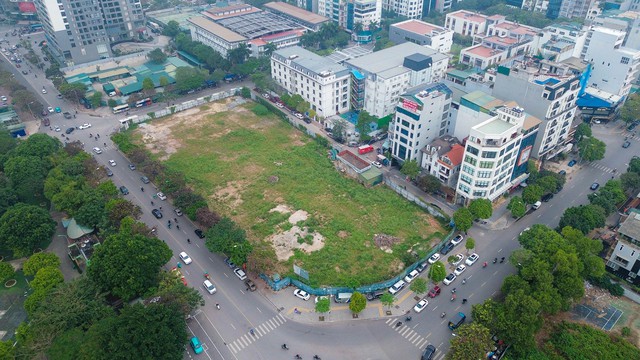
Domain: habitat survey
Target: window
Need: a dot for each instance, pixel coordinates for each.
(470, 160)
(472, 150)
(486, 164)
(468, 169)
(484, 174)
(465, 178)
(624, 60)
(489, 154)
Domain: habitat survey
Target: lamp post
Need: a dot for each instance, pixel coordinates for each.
(29, 107)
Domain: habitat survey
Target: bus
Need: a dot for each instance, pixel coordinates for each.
(143, 102)
(120, 108)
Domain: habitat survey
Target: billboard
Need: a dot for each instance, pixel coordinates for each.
(27, 7)
(409, 105)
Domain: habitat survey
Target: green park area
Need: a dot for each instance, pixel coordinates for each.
(260, 171)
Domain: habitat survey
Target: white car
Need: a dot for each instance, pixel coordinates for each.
(161, 196)
(211, 289)
(301, 294)
(421, 305)
(299, 116)
(240, 274)
(459, 258)
(97, 150)
(185, 258)
(412, 275)
(84, 126)
(376, 164)
(449, 279)
(459, 270)
(49, 109)
(397, 287)
(112, 162)
(3, 98)
(435, 257)
(44, 91)
(57, 128)
(472, 259)
(457, 240)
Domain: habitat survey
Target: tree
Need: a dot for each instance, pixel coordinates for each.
(463, 219)
(481, 208)
(239, 54)
(419, 286)
(583, 130)
(387, 300)
(584, 218)
(6, 271)
(429, 184)
(269, 48)
(157, 56)
(226, 237)
(609, 196)
(163, 81)
(46, 279)
(519, 320)
(358, 303)
(73, 91)
(473, 341)
(517, 207)
(634, 165)
(532, 193)
(591, 149)
(470, 244)
(338, 130)
(25, 100)
(630, 182)
(38, 261)
(362, 125)
(172, 29)
(96, 99)
(24, 227)
(188, 78)
(410, 168)
(324, 305)
(26, 174)
(147, 86)
(437, 272)
(631, 108)
(245, 92)
(112, 103)
(128, 265)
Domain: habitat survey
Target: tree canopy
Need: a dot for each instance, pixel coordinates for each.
(463, 218)
(23, 228)
(517, 207)
(591, 149)
(481, 208)
(188, 78)
(584, 218)
(157, 56)
(631, 108)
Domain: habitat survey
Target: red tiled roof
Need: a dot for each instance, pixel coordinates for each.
(353, 159)
(419, 27)
(455, 154)
(481, 51)
(501, 40)
(468, 15)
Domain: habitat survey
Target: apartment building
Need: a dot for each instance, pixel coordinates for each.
(466, 23)
(320, 81)
(80, 32)
(421, 117)
(442, 158)
(613, 66)
(347, 13)
(383, 76)
(624, 260)
(490, 154)
(548, 91)
(411, 9)
(560, 42)
(422, 33)
(577, 9)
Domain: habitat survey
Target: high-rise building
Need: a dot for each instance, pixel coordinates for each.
(347, 13)
(411, 9)
(575, 8)
(82, 31)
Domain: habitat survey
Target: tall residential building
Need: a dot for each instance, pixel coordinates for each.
(575, 8)
(422, 33)
(613, 66)
(548, 91)
(82, 31)
(347, 13)
(490, 155)
(421, 117)
(380, 78)
(320, 81)
(411, 9)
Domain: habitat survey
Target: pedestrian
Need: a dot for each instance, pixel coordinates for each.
(177, 226)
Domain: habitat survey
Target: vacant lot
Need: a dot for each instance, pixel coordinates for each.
(282, 188)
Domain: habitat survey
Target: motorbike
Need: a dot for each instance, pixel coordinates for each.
(443, 315)
(495, 260)
(453, 297)
(399, 323)
(502, 260)
(208, 277)
(483, 265)
(408, 318)
(285, 347)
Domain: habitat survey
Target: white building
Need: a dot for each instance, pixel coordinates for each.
(320, 81)
(613, 67)
(411, 9)
(575, 8)
(384, 75)
(442, 158)
(466, 23)
(422, 33)
(347, 13)
(490, 155)
(560, 42)
(421, 117)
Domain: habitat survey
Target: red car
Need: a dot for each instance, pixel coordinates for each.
(434, 292)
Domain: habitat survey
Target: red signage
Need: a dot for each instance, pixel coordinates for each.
(27, 7)
(409, 105)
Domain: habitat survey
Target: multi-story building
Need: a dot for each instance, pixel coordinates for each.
(560, 42)
(381, 77)
(421, 117)
(490, 155)
(575, 8)
(599, 106)
(347, 13)
(411, 9)
(442, 158)
(422, 33)
(80, 32)
(624, 260)
(320, 81)
(613, 66)
(548, 91)
(443, 6)
(466, 23)
(305, 18)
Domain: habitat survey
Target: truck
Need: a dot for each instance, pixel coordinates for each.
(457, 320)
(383, 160)
(365, 149)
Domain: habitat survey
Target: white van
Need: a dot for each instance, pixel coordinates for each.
(211, 289)
(397, 287)
(343, 297)
(537, 205)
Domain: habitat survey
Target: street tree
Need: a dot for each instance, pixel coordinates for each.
(239, 54)
(473, 341)
(410, 168)
(25, 100)
(147, 86)
(188, 78)
(6, 271)
(591, 149)
(470, 244)
(39, 145)
(419, 286)
(358, 303)
(463, 219)
(584, 218)
(519, 321)
(27, 174)
(587, 250)
(481, 208)
(437, 272)
(634, 165)
(630, 182)
(187, 298)
(157, 56)
(338, 130)
(631, 108)
(324, 305)
(172, 29)
(73, 91)
(228, 238)
(609, 196)
(38, 261)
(362, 125)
(583, 130)
(517, 207)
(96, 99)
(128, 265)
(387, 300)
(532, 193)
(23, 228)
(429, 184)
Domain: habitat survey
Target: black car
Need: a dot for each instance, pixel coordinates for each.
(594, 186)
(199, 233)
(157, 213)
(229, 263)
(124, 190)
(428, 353)
(69, 130)
(375, 295)
(144, 179)
(446, 249)
(547, 197)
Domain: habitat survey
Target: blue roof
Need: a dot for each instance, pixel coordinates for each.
(357, 74)
(551, 81)
(593, 101)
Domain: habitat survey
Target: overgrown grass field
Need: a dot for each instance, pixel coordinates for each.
(234, 157)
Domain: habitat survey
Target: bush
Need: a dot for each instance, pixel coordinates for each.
(605, 283)
(260, 110)
(6, 271)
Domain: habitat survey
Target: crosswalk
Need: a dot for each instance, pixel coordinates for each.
(408, 333)
(261, 330)
(603, 168)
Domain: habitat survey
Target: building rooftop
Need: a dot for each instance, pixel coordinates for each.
(218, 13)
(481, 100)
(517, 28)
(494, 126)
(392, 59)
(506, 41)
(420, 27)
(311, 61)
(421, 93)
(631, 226)
(530, 121)
(468, 15)
(482, 51)
(456, 154)
(216, 29)
(442, 145)
(296, 12)
(255, 25)
(597, 98)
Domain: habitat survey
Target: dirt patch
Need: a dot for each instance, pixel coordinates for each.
(298, 216)
(231, 194)
(297, 237)
(385, 242)
(283, 209)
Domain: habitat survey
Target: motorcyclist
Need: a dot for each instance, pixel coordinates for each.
(218, 306)
(443, 314)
